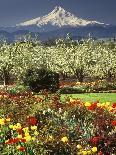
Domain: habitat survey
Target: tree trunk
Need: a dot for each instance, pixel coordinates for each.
(6, 77)
(80, 75)
(109, 76)
(64, 76)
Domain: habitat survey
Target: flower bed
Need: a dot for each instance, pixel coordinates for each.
(87, 87)
(44, 125)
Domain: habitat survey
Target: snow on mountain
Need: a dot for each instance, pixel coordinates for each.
(58, 18)
(57, 24)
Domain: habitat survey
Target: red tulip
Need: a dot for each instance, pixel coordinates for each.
(32, 121)
(113, 123)
(22, 148)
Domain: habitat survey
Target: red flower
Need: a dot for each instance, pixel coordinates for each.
(93, 106)
(22, 148)
(113, 123)
(12, 140)
(95, 139)
(32, 121)
(114, 105)
(100, 153)
(16, 140)
(23, 140)
(20, 131)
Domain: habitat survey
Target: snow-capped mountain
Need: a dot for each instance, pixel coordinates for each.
(56, 24)
(56, 19)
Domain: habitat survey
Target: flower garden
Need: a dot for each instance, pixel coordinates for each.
(33, 124)
(37, 114)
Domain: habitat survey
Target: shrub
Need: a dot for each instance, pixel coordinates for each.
(40, 79)
(17, 89)
(103, 85)
(73, 90)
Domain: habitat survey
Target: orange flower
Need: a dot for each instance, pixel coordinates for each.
(93, 106)
(20, 131)
(32, 121)
(23, 140)
(12, 140)
(113, 123)
(95, 139)
(22, 148)
(114, 105)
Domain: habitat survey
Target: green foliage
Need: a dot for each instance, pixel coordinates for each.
(74, 90)
(40, 79)
(18, 89)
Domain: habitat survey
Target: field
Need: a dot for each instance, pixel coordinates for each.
(92, 97)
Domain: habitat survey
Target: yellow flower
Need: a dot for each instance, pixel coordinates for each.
(5, 96)
(78, 83)
(79, 146)
(108, 104)
(8, 119)
(26, 129)
(94, 149)
(103, 104)
(34, 127)
(18, 125)
(15, 127)
(89, 152)
(26, 133)
(28, 138)
(11, 126)
(110, 108)
(64, 139)
(6, 141)
(84, 152)
(2, 121)
(19, 136)
(72, 100)
(18, 147)
(51, 137)
(87, 104)
(33, 138)
(36, 133)
(99, 104)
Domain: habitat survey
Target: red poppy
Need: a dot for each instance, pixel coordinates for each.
(32, 121)
(113, 123)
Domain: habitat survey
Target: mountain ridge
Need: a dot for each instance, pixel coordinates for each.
(57, 24)
(59, 17)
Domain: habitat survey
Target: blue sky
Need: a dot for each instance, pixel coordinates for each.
(15, 11)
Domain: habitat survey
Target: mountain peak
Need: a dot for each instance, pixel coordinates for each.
(57, 8)
(60, 12)
(59, 17)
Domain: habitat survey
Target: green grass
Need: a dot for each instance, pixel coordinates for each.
(91, 97)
